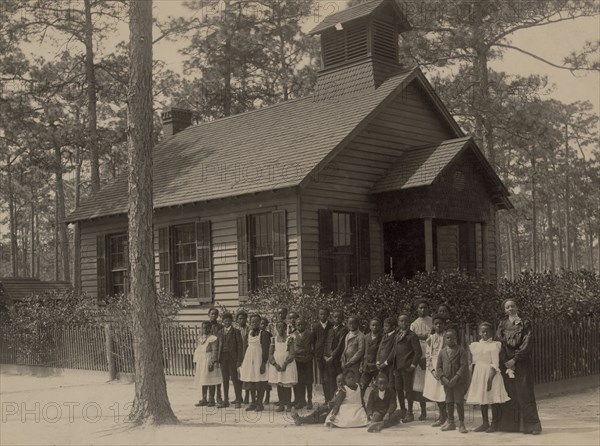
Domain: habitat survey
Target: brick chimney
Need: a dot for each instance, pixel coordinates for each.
(175, 120)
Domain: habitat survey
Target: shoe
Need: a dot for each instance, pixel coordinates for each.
(483, 428)
(375, 427)
(439, 422)
(296, 418)
(251, 407)
(238, 405)
(491, 429)
(201, 403)
(462, 429)
(280, 409)
(449, 426)
(222, 404)
(423, 416)
(211, 404)
(536, 432)
(288, 408)
(402, 414)
(408, 418)
(309, 406)
(259, 408)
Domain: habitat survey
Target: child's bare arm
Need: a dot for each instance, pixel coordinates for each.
(339, 399)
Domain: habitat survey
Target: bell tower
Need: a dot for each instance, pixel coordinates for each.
(359, 48)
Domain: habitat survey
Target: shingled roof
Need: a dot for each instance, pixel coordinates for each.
(272, 148)
(355, 13)
(421, 166)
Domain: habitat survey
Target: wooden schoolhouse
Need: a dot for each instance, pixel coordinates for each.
(369, 175)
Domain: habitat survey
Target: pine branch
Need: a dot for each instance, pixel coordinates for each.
(541, 59)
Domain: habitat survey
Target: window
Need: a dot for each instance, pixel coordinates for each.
(112, 265)
(345, 269)
(118, 258)
(185, 260)
(261, 250)
(261, 245)
(344, 249)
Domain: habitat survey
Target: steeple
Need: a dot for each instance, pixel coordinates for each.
(359, 47)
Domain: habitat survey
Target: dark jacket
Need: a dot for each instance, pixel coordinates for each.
(231, 344)
(304, 346)
(265, 343)
(385, 347)
(334, 344)
(406, 350)
(453, 363)
(319, 338)
(371, 349)
(385, 405)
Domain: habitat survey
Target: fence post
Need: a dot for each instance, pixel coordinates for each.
(110, 354)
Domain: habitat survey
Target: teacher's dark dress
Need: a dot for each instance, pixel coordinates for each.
(520, 413)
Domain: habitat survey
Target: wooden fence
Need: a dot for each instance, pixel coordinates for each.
(560, 350)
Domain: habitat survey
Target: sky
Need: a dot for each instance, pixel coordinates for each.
(551, 42)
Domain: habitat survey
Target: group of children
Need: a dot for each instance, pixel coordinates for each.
(400, 361)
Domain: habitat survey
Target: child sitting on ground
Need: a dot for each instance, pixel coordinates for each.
(319, 415)
(453, 372)
(351, 412)
(381, 406)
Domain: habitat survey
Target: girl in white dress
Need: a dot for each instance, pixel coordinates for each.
(487, 386)
(206, 357)
(422, 328)
(282, 368)
(433, 388)
(253, 372)
(351, 411)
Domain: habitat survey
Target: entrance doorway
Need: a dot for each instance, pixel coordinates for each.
(404, 248)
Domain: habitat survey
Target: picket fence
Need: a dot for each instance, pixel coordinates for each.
(561, 350)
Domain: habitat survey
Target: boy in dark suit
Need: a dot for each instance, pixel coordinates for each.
(368, 367)
(381, 406)
(385, 347)
(405, 356)
(453, 372)
(231, 348)
(334, 347)
(320, 332)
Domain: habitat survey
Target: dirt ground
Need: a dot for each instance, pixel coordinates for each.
(67, 411)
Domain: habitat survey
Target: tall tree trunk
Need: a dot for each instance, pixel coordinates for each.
(511, 252)
(590, 234)
(77, 227)
(569, 256)
(37, 245)
(227, 79)
(575, 253)
(60, 215)
(12, 217)
(534, 223)
(561, 252)
(56, 241)
(549, 216)
(90, 74)
(282, 59)
(151, 402)
(518, 245)
(33, 253)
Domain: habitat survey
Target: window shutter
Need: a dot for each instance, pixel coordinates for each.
(164, 259)
(326, 257)
(279, 247)
(101, 266)
(242, 257)
(363, 249)
(204, 261)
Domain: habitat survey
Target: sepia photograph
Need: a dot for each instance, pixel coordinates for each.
(300, 222)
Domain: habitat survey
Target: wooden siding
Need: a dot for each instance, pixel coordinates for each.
(222, 215)
(345, 183)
